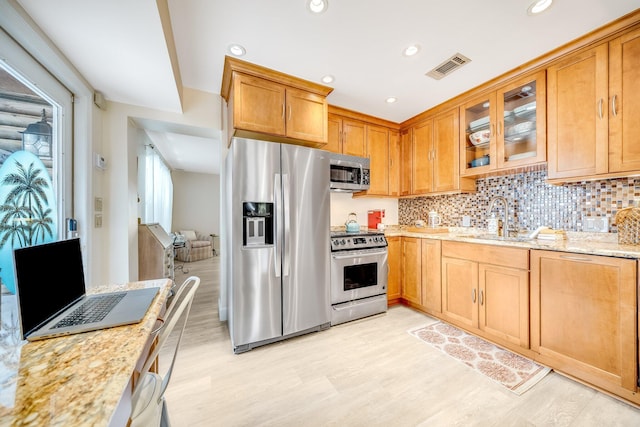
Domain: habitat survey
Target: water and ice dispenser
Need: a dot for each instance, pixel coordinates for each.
(258, 224)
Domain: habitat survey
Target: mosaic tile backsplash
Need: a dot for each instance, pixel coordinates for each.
(532, 202)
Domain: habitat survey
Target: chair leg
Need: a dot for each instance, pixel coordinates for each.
(164, 418)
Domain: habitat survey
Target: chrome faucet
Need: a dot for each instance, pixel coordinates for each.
(506, 214)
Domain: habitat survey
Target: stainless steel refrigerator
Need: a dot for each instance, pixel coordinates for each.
(277, 214)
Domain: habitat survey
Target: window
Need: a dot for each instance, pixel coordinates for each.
(35, 155)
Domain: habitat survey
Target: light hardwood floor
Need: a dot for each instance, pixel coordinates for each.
(370, 372)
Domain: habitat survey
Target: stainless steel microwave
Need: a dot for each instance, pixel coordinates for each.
(348, 173)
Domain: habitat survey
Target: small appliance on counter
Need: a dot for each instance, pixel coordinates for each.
(352, 225)
(375, 218)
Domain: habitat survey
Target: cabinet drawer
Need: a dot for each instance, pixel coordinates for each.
(487, 254)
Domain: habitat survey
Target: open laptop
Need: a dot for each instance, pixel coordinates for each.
(51, 290)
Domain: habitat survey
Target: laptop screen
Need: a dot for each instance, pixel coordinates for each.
(49, 277)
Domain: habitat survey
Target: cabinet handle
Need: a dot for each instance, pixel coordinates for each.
(493, 131)
(473, 295)
(613, 105)
(289, 112)
(499, 128)
(481, 297)
(434, 155)
(600, 108)
(575, 258)
(283, 111)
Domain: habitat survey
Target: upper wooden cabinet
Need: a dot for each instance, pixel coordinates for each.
(378, 154)
(506, 128)
(346, 136)
(360, 135)
(395, 153)
(430, 157)
(273, 105)
(593, 111)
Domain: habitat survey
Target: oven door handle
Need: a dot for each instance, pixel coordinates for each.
(359, 255)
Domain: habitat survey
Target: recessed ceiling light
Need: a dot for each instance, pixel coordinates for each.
(391, 99)
(317, 6)
(327, 79)
(411, 50)
(539, 6)
(237, 50)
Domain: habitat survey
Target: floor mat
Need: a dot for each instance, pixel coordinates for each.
(515, 372)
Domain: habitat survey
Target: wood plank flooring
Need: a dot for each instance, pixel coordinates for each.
(370, 372)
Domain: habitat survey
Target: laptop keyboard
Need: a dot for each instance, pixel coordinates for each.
(92, 310)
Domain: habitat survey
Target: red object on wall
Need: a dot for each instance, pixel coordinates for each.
(375, 218)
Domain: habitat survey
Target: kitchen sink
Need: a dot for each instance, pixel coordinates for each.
(498, 238)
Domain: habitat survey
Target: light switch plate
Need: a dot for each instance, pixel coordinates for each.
(597, 224)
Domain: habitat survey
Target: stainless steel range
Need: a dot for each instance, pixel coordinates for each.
(359, 270)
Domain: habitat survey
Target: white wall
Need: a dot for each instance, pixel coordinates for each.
(343, 203)
(120, 185)
(196, 202)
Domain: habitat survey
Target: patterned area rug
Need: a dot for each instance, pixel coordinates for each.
(515, 372)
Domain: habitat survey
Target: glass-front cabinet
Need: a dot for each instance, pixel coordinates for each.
(506, 128)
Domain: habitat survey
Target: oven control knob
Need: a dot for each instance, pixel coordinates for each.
(343, 242)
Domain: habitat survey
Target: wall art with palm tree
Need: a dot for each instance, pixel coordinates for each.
(28, 214)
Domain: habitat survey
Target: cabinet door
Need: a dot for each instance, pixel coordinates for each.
(334, 136)
(624, 103)
(460, 291)
(446, 145)
(577, 119)
(394, 285)
(353, 138)
(522, 118)
(259, 105)
(431, 276)
(422, 176)
(394, 163)
(406, 162)
(378, 153)
(504, 303)
(583, 317)
(478, 134)
(411, 271)
(306, 116)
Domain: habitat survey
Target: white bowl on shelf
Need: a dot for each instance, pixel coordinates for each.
(480, 137)
(521, 128)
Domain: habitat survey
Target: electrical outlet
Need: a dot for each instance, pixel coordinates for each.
(598, 224)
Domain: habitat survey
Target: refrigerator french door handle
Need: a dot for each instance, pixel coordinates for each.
(277, 198)
(287, 225)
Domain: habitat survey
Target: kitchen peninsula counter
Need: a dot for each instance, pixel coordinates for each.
(605, 244)
(77, 380)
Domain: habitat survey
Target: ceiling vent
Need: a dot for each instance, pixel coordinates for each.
(448, 66)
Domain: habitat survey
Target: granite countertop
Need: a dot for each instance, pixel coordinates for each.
(577, 242)
(77, 380)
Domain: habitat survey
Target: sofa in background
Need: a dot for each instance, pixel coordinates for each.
(197, 246)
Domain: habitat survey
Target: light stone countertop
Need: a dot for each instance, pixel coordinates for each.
(77, 380)
(605, 244)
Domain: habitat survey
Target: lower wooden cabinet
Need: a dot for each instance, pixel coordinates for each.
(486, 289)
(584, 318)
(421, 273)
(394, 280)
